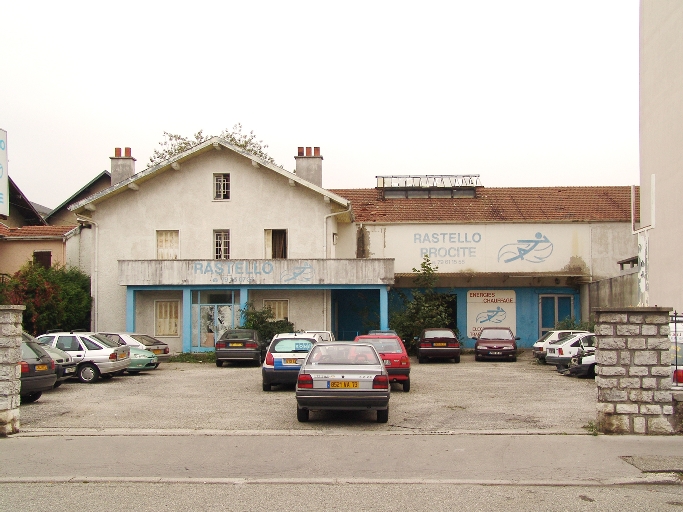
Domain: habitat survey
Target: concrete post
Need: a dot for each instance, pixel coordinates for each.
(633, 371)
(10, 371)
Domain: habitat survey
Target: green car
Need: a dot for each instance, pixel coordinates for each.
(141, 360)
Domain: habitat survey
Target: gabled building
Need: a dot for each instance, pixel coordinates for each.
(181, 248)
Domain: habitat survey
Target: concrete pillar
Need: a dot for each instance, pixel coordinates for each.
(633, 371)
(10, 371)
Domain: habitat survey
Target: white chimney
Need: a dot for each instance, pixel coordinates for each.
(122, 167)
(310, 165)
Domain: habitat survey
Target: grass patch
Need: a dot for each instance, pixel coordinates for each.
(194, 357)
(592, 428)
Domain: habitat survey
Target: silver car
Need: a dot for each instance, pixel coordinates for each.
(343, 376)
(94, 354)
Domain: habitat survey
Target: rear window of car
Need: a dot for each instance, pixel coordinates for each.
(147, 340)
(100, 339)
(439, 333)
(291, 345)
(343, 355)
(46, 340)
(27, 352)
(383, 345)
(238, 335)
(496, 334)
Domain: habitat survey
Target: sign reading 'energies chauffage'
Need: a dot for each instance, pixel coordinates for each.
(490, 308)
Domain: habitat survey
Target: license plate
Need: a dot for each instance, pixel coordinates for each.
(290, 361)
(156, 351)
(41, 367)
(438, 344)
(387, 362)
(342, 384)
(122, 355)
(235, 344)
(70, 370)
(496, 353)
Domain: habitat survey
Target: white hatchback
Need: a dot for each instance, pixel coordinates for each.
(97, 356)
(541, 345)
(560, 352)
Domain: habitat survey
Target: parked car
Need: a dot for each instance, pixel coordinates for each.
(143, 341)
(496, 343)
(37, 372)
(239, 345)
(439, 343)
(324, 335)
(141, 360)
(542, 343)
(393, 354)
(343, 376)
(284, 357)
(583, 363)
(560, 352)
(65, 367)
(95, 355)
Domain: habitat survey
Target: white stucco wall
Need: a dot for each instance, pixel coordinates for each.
(183, 200)
(661, 146)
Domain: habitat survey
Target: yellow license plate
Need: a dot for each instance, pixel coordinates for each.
(235, 344)
(343, 384)
(290, 361)
(122, 355)
(156, 351)
(41, 367)
(438, 344)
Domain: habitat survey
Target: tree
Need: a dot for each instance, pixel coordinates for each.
(426, 308)
(55, 298)
(174, 144)
(262, 321)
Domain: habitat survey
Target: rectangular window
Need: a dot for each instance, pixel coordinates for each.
(42, 258)
(276, 243)
(221, 244)
(280, 307)
(221, 187)
(168, 245)
(166, 317)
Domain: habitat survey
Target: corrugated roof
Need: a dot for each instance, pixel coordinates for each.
(530, 204)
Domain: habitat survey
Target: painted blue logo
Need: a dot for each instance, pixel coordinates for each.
(302, 274)
(494, 316)
(533, 251)
(2, 145)
(2, 171)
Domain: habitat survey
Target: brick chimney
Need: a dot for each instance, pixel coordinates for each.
(309, 166)
(122, 167)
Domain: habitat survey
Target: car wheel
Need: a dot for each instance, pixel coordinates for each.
(382, 415)
(514, 359)
(266, 386)
(88, 373)
(219, 363)
(302, 415)
(31, 397)
(406, 386)
(57, 384)
(457, 359)
(591, 372)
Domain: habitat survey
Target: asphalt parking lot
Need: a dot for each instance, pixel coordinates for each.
(444, 397)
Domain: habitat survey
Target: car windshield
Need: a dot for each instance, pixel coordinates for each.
(343, 355)
(291, 345)
(439, 333)
(383, 345)
(496, 334)
(146, 340)
(103, 340)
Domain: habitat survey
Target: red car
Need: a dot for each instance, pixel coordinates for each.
(394, 355)
(495, 343)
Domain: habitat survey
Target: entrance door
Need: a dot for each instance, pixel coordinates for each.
(214, 320)
(553, 309)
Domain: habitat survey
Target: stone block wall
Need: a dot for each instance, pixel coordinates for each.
(633, 371)
(10, 371)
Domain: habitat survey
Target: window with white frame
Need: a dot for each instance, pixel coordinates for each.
(166, 317)
(168, 245)
(280, 307)
(221, 187)
(221, 244)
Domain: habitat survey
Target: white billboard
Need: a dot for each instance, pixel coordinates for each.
(4, 178)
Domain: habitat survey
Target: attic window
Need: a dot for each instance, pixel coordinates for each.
(446, 186)
(221, 188)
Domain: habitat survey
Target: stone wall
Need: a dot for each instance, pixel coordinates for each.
(10, 371)
(633, 371)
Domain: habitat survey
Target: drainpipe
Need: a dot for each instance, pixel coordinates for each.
(93, 277)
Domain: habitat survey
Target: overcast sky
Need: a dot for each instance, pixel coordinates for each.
(523, 93)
